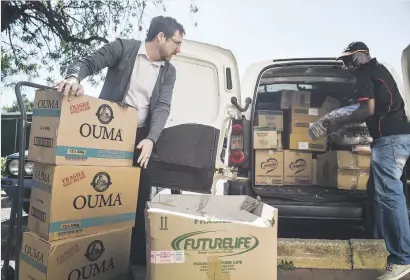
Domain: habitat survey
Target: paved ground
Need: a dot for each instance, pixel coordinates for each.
(307, 274)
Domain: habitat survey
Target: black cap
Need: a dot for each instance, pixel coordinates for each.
(354, 47)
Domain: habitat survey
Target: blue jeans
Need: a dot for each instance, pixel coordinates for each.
(391, 221)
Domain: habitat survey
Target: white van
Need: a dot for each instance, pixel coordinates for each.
(210, 105)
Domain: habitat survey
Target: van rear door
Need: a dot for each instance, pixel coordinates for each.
(187, 155)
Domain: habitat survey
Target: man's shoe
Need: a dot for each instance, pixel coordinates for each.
(394, 271)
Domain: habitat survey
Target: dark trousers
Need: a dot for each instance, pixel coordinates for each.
(138, 239)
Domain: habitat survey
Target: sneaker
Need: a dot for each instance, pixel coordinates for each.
(394, 271)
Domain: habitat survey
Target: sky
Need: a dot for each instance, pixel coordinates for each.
(260, 30)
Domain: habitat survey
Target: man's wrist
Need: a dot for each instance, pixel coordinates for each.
(153, 143)
(73, 78)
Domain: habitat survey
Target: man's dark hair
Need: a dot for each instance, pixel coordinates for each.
(167, 25)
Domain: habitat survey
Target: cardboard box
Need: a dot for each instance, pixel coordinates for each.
(330, 104)
(265, 138)
(348, 160)
(83, 131)
(211, 237)
(269, 167)
(343, 170)
(304, 143)
(300, 127)
(71, 201)
(314, 172)
(280, 142)
(306, 115)
(297, 168)
(271, 118)
(292, 99)
(102, 256)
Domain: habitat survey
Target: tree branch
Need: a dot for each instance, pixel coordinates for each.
(10, 14)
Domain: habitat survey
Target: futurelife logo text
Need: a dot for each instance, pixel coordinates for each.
(202, 242)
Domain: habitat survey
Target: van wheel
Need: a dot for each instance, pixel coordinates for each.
(9, 273)
(238, 188)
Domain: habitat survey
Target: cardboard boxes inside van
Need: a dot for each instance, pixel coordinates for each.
(282, 147)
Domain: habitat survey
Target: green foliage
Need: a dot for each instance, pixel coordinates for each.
(15, 106)
(3, 167)
(38, 35)
(286, 265)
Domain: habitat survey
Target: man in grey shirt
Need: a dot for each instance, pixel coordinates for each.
(139, 74)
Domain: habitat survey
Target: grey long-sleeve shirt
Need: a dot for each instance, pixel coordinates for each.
(119, 56)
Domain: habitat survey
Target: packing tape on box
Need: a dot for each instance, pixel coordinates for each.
(215, 269)
(354, 164)
(355, 176)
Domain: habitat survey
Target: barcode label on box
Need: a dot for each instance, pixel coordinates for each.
(313, 111)
(303, 145)
(44, 142)
(167, 257)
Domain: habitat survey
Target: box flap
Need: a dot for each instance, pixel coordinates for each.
(238, 209)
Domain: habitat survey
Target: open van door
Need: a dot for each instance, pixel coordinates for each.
(187, 156)
(405, 65)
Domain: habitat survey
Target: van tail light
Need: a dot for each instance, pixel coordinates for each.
(236, 152)
(237, 129)
(236, 157)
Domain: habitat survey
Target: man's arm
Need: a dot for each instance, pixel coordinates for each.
(163, 106)
(364, 91)
(360, 115)
(107, 56)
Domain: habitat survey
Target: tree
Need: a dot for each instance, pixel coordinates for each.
(15, 106)
(38, 35)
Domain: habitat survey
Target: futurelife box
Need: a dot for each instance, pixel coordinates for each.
(83, 131)
(102, 256)
(71, 201)
(211, 237)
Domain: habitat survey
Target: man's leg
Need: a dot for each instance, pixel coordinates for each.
(138, 239)
(389, 156)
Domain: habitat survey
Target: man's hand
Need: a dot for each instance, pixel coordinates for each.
(145, 146)
(69, 87)
(332, 126)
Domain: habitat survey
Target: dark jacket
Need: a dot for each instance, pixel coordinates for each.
(119, 56)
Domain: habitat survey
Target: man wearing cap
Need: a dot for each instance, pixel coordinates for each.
(382, 108)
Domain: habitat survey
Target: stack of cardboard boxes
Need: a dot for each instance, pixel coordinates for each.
(285, 155)
(82, 207)
(290, 162)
